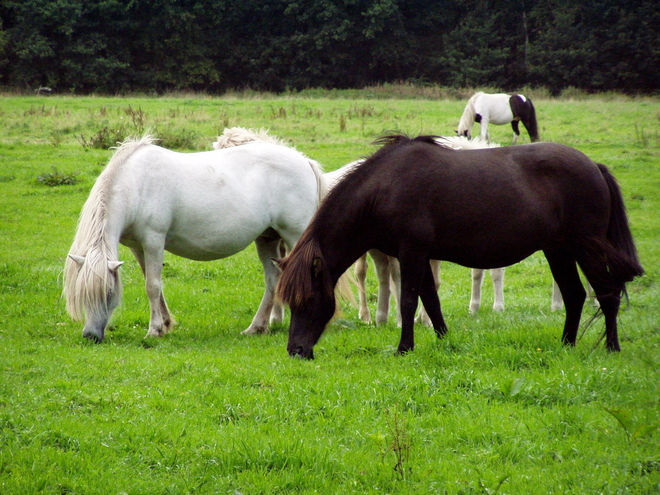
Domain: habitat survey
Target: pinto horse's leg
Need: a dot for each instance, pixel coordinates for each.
(516, 129)
(361, 266)
(267, 248)
(151, 262)
(564, 270)
(383, 271)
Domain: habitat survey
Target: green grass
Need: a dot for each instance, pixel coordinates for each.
(498, 406)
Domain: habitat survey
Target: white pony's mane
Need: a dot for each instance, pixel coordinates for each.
(87, 284)
(464, 143)
(467, 119)
(238, 136)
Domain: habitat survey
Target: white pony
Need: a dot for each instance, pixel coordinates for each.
(499, 109)
(201, 206)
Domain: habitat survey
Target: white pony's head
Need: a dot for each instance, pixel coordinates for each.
(93, 290)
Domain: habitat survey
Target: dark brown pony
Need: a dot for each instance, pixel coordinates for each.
(416, 200)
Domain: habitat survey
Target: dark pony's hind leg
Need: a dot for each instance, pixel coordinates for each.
(608, 293)
(431, 301)
(564, 270)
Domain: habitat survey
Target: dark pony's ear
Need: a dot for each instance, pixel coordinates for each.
(317, 266)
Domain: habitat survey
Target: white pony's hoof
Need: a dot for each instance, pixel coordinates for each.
(154, 333)
(474, 308)
(498, 307)
(254, 330)
(556, 307)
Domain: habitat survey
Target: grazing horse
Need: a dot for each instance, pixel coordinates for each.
(416, 200)
(201, 206)
(499, 109)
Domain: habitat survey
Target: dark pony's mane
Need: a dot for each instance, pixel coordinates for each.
(305, 263)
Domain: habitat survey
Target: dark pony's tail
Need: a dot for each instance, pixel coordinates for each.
(624, 264)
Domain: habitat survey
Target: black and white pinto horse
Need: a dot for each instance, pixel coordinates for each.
(451, 206)
(499, 109)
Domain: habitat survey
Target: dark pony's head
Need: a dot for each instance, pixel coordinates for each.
(306, 285)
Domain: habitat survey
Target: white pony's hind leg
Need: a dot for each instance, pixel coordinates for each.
(558, 300)
(475, 297)
(267, 248)
(361, 266)
(497, 276)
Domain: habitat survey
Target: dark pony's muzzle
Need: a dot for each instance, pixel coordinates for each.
(301, 353)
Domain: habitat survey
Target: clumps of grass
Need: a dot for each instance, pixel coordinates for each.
(57, 178)
(105, 138)
(181, 139)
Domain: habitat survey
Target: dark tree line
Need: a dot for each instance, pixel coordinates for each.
(114, 46)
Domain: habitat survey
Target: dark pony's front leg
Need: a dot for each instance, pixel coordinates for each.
(417, 281)
(564, 270)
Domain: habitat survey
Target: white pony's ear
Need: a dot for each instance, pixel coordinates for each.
(277, 263)
(114, 265)
(78, 259)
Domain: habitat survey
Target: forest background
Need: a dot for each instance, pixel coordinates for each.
(214, 46)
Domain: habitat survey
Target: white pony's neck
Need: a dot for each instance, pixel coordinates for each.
(86, 285)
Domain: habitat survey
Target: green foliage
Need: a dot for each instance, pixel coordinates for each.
(109, 47)
(57, 178)
(498, 406)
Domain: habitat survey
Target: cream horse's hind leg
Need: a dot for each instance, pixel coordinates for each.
(151, 263)
(497, 275)
(267, 249)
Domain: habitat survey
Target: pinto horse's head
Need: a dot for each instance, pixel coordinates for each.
(307, 287)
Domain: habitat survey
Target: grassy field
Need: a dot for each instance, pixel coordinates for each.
(498, 406)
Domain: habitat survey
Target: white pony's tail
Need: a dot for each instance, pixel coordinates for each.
(85, 284)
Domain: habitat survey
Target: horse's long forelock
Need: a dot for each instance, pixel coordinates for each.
(295, 285)
(86, 286)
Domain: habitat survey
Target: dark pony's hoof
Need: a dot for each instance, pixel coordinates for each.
(402, 351)
(613, 347)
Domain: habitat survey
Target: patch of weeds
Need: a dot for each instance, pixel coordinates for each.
(57, 178)
(105, 138)
(177, 139)
(7, 178)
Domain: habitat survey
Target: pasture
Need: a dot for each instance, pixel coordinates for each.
(497, 406)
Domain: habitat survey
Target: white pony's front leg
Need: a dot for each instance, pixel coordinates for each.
(151, 262)
(267, 248)
(361, 267)
(484, 129)
(497, 276)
